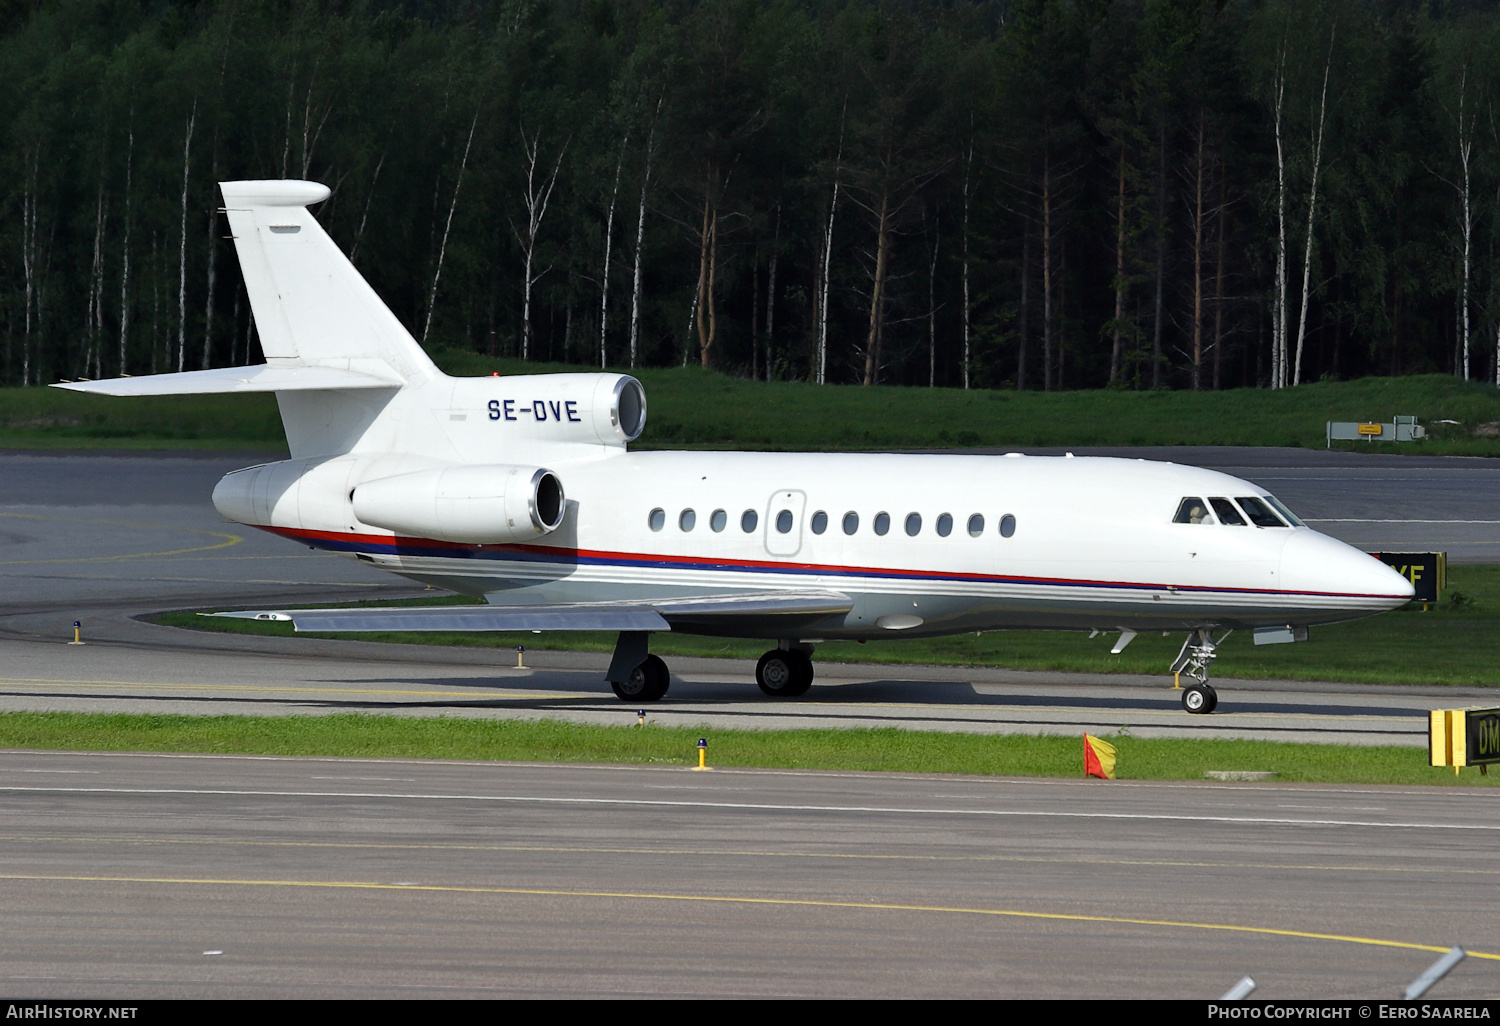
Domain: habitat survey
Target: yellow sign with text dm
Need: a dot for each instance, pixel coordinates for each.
(1463, 737)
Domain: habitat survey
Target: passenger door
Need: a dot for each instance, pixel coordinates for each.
(784, 522)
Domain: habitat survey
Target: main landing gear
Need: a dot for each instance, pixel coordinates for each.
(635, 674)
(1198, 651)
(646, 683)
(784, 672)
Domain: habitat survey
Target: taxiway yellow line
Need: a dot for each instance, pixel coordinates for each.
(362, 885)
(227, 540)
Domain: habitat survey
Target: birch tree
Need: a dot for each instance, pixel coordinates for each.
(95, 335)
(187, 149)
(609, 237)
(827, 256)
(125, 244)
(968, 195)
(1278, 302)
(895, 152)
(437, 271)
(932, 262)
(1464, 121)
(1312, 208)
(1200, 142)
(213, 252)
(640, 237)
(538, 194)
(771, 291)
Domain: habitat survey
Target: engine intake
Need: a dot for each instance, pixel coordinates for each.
(479, 505)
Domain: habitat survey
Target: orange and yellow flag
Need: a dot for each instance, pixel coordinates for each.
(1098, 758)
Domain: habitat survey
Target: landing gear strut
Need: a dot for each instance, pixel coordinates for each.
(1198, 651)
(634, 674)
(784, 672)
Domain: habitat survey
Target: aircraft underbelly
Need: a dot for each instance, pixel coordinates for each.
(892, 605)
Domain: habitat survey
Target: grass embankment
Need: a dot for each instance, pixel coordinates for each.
(693, 409)
(1457, 642)
(886, 749)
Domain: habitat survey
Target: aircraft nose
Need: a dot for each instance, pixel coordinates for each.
(1316, 563)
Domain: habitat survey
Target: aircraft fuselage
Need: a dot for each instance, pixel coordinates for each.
(923, 544)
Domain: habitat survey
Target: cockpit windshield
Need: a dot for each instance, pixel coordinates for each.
(1227, 513)
(1262, 511)
(1259, 513)
(1280, 507)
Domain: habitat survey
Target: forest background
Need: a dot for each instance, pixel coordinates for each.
(1039, 194)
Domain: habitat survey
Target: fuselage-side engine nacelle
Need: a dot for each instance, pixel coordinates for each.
(479, 505)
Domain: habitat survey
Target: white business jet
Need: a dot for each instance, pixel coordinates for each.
(522, 490)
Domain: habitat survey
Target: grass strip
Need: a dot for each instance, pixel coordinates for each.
(695, 409)
(887, 749)
(1455, 643)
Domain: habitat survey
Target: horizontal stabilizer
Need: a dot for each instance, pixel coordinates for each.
(259, 378)
(583, 616)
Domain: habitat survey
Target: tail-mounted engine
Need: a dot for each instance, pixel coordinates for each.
(479, 505)
(510, 413)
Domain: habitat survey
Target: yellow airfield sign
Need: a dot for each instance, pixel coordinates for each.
(1463, 737)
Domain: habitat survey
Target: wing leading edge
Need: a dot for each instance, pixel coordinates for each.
(699, 611)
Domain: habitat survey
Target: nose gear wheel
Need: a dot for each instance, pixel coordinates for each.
(1200, 699)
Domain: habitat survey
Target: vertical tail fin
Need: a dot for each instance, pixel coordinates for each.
(312, 308)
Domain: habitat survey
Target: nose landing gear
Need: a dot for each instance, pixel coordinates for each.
(1198, 651)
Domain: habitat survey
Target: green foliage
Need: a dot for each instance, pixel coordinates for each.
(1093, 190)
(51, 418)
(693, 409)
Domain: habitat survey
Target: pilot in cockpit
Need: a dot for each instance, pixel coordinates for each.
(1193, 511)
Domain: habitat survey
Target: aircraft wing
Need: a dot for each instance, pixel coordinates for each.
(781, 607)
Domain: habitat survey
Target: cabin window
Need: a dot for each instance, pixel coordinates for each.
(657, 520)
(882, 523)
(913, 524)
(976, 525)
(718, 520)
(1280, 507)
(748, 520)
(851, 522)
(1227, 513)
(819, 522)
(1259, 513)
(1192, 511)
(784, 521)
(1007, 526)
(944, 526)
(688, 520)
